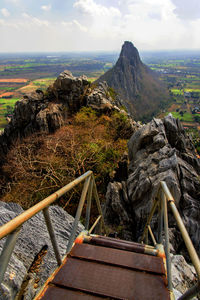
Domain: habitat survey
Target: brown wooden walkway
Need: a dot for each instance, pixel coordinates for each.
(108, 268)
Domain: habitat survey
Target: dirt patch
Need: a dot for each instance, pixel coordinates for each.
(173, 107)
(28, 88)
(7, 94)
(14, 80)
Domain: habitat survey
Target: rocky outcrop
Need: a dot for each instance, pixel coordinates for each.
(48, 111)
(137, 85)
(44, 111)
(160, 150)
(32, 239)
(99, 98)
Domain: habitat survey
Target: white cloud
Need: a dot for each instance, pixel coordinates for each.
(90, 7)
(2, 22)
(5, 12)
(92, 25)
(13, 1)
(74, 25)
(81, 27)
(187, 9)
(46, 7)
(35, 21)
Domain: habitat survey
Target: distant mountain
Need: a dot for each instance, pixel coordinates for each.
(142, 92)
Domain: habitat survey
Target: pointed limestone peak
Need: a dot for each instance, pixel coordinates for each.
(130, 52)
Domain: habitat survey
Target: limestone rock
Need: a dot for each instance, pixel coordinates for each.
(44, 112)
(69, 90)
(33, 237)
(142, 93)
(183, 274)
(158, 151)
(99, 99)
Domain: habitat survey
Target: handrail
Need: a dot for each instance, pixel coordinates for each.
(29, 213)
(163, 198)
(12, 228)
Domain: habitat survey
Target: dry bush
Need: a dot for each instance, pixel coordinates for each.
(44, 163)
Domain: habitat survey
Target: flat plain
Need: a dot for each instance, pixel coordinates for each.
(180, 70)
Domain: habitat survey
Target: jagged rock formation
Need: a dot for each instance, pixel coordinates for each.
(44, 111)
(99, 99)
(33, 237)
(48, 111)
(160, 150)
(138, 86)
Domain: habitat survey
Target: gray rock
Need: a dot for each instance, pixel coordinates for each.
(44, 112)
(138, 87)
(158, 151)
(99, 99)
(183, 274)
(33, 237)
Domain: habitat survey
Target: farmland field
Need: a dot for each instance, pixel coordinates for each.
(23, 73)
(181, 72)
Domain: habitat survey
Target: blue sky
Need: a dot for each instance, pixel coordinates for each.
(92, 25)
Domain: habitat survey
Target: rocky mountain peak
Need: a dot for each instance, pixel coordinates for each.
(130, 53)
(138, 86)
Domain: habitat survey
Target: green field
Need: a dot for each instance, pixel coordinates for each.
(186, 117)
(44, 82)
(176, 92)
(6, 105)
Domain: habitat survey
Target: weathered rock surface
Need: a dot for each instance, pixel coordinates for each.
(137, 85)
(99, 99)
(183, 274)
(33, 237)
(160, 150)
(45, 111)
(48, 111)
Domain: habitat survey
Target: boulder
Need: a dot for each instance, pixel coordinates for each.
(159, 150)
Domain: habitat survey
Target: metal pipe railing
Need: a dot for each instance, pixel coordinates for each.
(78, 213)
(164, 197)
(52, 235)
(167, 246)
(7, 251)
(29, 213)
(12, 228)
(191, 250)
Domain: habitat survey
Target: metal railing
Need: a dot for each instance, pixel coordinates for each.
(12, 228)
(163, 198)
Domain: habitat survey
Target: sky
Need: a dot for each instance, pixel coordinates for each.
(98, 25)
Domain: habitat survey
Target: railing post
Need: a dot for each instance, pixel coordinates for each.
(145, 233)
(89, 197)
(52, 235)
(7, 251)
(160, 222)
(191, 250)
(167, 250)
(152, 235)
(98, 205)
(78, 213)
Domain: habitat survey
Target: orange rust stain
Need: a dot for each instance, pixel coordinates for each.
(79, 239)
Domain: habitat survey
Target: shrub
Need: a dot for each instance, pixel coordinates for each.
(43, 163)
